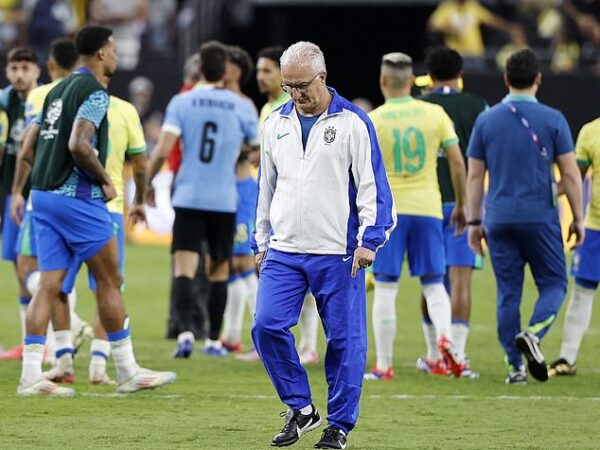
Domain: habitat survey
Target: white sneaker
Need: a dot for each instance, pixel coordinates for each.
(44, 387)
(57, 375)
(100, 378)
(249, 356)
(146, 379)
(82, 333)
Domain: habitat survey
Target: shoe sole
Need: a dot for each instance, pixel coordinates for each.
(145, 388)
(556, 372)
(537, 368)
(308, 430)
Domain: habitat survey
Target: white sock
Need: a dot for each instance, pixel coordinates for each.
(31, 370)
(307, 410)
(100, 350)
(32, 282)
(64, 349)
(384, 322)
(50, 343)
(233, 317)
(75, 319)
(431, 341)
(122, 351)
(460, 332)
(251, 281)
(23, 304)
(309, 322)
(185, 336)
(439, 309)
(577, 321)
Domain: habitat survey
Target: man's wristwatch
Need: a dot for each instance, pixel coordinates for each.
(474, 222)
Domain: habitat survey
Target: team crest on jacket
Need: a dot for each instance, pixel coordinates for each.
(329, 135)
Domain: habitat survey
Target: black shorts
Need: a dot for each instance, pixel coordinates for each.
(193, 227)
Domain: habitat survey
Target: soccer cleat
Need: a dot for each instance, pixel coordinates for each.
(529, 345)
(184, 349)
(517, 376)
(58, 375)
(249, 356)
(214, 348)
(12, 354)
(44, 387)
(100, 378)
(296, 424)
(232, 347)
(308, 357)
(84, 332)
(447, 350)
(433, 367)
(332, 437)
(467, 371)
(379, 375)
(146, 379)
(561, 367)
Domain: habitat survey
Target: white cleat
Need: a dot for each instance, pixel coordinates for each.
(44, 387)
(57, 375)
(146, 379)
(101, 378)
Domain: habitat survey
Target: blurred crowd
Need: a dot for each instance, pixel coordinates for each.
(565, 33)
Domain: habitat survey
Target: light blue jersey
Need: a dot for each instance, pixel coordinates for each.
(213, 124)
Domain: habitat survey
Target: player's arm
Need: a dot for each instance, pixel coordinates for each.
(458, 174)
(139, 163)
(23, 168)
(166, 141)
(570, 176)
(80, 146)
(475, 182)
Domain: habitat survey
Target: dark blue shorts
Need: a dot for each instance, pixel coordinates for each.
(586, 259)
(458, 252)
(67, 228)
(10, 232)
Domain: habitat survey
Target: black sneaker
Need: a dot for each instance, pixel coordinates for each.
(529, 345)
(332, 437)
(296, 424)
(517, 376)
(561, 367)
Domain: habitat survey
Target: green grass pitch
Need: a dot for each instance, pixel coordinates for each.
(225, 404)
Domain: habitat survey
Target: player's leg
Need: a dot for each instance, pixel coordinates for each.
(219, 233)
(387, 269)
(342, 303)
(508, 264)
(309, 327)
(544, 251)
(585, 268)
(62, 370)
(188, 231)
(281, 292)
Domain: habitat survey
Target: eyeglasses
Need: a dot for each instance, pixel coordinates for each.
(300, 87)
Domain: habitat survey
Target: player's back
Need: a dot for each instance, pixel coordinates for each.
(214, 123)
(411, 132)
(588, 152)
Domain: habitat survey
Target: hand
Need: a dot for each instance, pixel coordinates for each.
(254, 157)
(575, 229)
(137, 214)
(258, 260)
(458, 218)
(109, 192)
(363, 258)
(476, 236)
(17, 208)
(151, 196)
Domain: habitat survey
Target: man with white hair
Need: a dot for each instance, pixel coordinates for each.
(412, 132)
(324, 208)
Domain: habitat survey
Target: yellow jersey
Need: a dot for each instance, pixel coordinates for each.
(3, 128)
(125, 137)
(466, 19)
(411, 132)
(35, 99)
(269, 107)
(587, 151)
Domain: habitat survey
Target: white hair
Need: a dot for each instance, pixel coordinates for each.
(304, 53)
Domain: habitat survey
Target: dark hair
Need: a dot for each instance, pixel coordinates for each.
(272, 53)
(213, 56)
(443, 63)
(241, 58)
(521, 69)
(22, 54)
(63, 51)
(92, 38)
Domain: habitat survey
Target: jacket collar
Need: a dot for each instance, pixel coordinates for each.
(336, 106)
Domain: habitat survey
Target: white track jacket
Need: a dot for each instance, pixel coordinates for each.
(329, 198)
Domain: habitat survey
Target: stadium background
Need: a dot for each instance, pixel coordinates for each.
(228, 405)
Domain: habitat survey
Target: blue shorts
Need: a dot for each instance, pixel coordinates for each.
(586, 259)
(423, 238)
(26, 242)
(68, 228)
(241, 240)
(10, 232)
(458, 252)
(71, 277)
